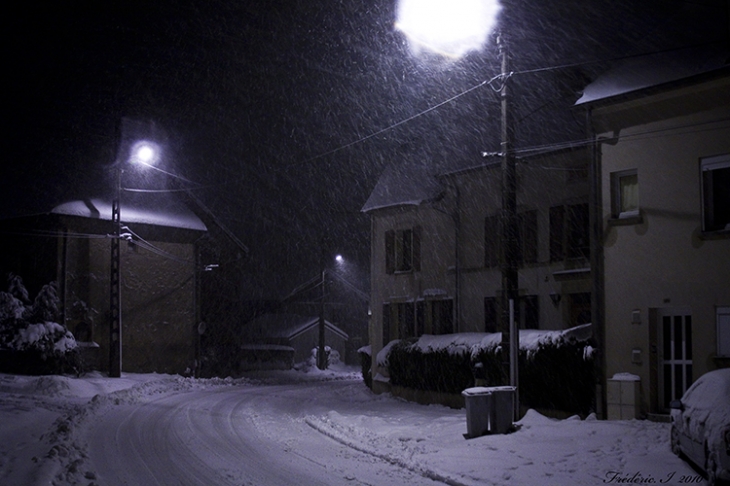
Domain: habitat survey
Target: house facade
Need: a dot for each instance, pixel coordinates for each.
(662, 149)
(70, 244)
(435, 248)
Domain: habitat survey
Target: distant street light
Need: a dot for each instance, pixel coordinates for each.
(321, 347)
(453, 28)
(142, 152)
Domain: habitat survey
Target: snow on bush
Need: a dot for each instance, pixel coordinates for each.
(33, 328)
(10, 307)
(555, 366)
(44, 337)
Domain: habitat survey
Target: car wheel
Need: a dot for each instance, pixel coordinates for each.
(711, 466)
(674, 440)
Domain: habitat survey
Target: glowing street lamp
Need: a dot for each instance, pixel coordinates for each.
(450, 28)
(143, 152)
(453, 28)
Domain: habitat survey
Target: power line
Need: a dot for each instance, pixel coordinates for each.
(489, 82)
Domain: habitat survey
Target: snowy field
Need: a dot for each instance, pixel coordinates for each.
(298, 427)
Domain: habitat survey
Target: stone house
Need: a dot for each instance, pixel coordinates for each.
(661, 126)
(435, 247)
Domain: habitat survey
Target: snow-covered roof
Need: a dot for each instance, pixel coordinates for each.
(413, 181)
(160, 209)
(405, 183)
(287, 326)
(654, 70)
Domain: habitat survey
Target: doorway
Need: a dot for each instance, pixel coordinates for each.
(675, 359)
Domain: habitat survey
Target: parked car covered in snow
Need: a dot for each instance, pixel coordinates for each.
(701, 424)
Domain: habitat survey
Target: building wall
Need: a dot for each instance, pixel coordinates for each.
(472, 196)
(436, 256)
(158, 301)
(661, 262)
(557, 179)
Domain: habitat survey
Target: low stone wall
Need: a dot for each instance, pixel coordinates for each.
(448, 399)
(419, 396)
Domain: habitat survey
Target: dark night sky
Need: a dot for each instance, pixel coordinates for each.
(259, 97)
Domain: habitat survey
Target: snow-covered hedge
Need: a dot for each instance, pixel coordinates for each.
(366, 364)
(556, 367)
(31, 341)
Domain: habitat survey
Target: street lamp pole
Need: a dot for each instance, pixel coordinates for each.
(321, 354)
(144, 152)
(115, 288)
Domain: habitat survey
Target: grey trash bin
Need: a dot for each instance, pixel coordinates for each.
(488, 410)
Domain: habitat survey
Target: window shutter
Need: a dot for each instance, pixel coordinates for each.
(416, 255)
(386, 324)
(390, 251)
(557, 225)
(491, 241)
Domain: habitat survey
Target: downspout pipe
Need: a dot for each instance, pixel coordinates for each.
(598, 305)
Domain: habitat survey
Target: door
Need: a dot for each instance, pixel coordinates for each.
(675, 361)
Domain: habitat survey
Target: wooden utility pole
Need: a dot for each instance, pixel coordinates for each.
(508, 227)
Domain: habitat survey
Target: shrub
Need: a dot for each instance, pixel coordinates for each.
(556, 373)
(555, 376)
(30, 339)
(439, 370)
(366, 365)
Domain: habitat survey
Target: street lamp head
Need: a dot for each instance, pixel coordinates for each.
(447, 27)
(339, 259)
(145, 152)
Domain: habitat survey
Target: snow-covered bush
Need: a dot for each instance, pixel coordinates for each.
(556, 368)
(366, 364)
(31, 340)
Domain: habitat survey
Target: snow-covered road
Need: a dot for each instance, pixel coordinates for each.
(239, 436)
(281, 428)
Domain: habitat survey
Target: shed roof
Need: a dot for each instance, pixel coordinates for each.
(158, 209)
(287, 326)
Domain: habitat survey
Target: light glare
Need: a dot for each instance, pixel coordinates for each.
(145, 153)
(448, 27)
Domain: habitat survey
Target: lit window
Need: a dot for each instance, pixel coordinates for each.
(625, 194)
(716, 193)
